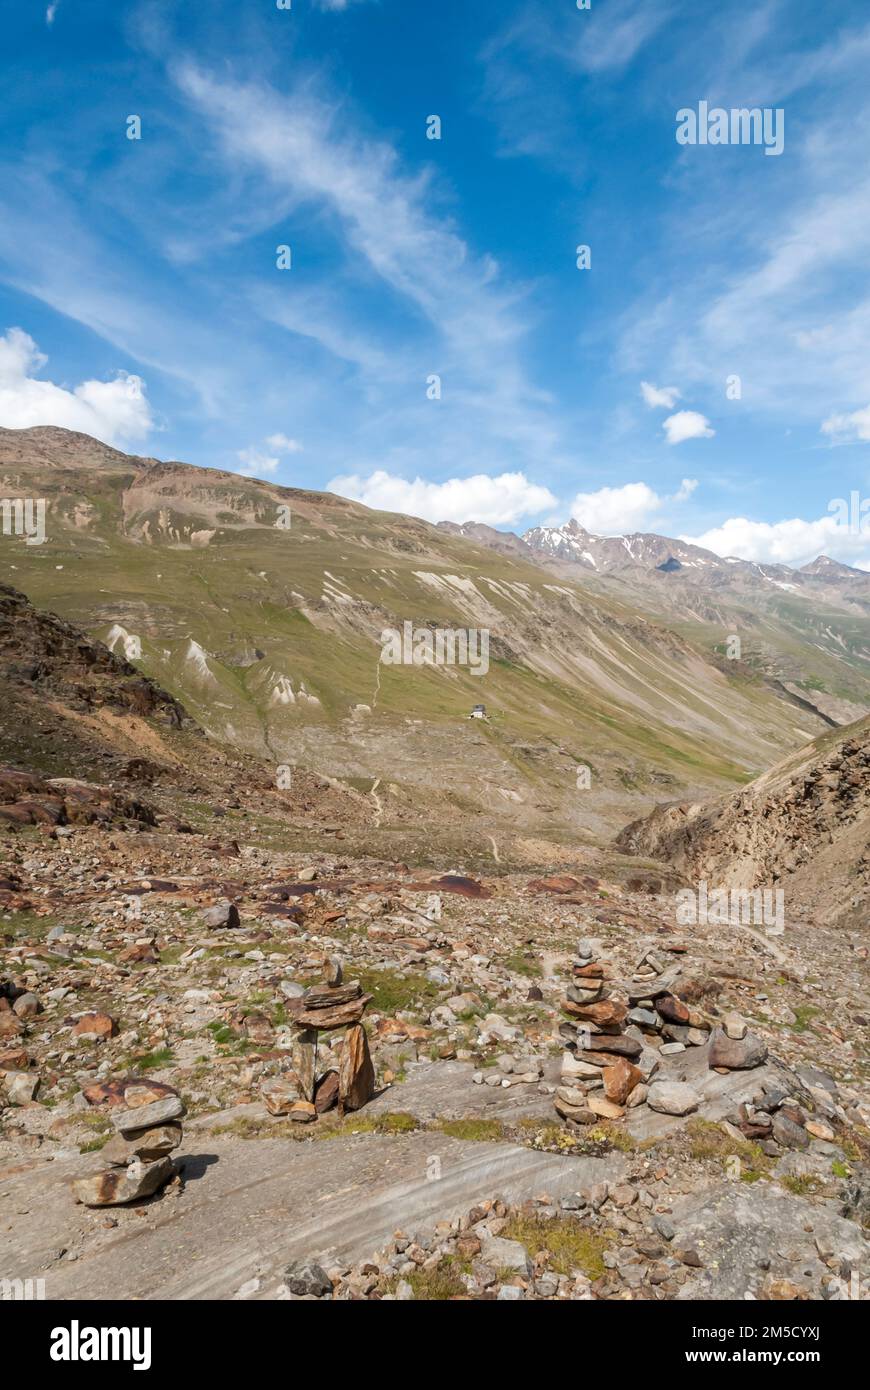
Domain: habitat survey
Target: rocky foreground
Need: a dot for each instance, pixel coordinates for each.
(555, 1091)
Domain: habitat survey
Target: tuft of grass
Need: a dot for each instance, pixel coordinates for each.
(840, 1170)
(707, 1140)
(393, 993)
(475, 1128)
(523, 963)
(438, 1284)
(94, 1145)
(571, 1246)
(597, 1140)
(806, 1185)
(152, 1061)
(803, 1016)
(391, 1122)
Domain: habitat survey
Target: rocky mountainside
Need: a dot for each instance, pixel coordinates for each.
(803, 826)
(552, 1091)
(262, 610)
(804, 631)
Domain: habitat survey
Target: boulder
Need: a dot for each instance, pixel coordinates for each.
(117, 1186)
(672, 1098)
(356, 1074)
(95, 1027)
(148, 1116)
(279, 1094)
(736, 1054)
(221, 915)
(306, 1278)
(620, 1080)
(146, 1144)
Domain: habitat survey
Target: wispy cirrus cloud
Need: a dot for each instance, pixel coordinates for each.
(659, 397)
(451, 312)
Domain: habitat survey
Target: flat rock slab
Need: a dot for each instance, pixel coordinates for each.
(717, 1095)
(736, 1227)
(251, 1206)
(445, 1090)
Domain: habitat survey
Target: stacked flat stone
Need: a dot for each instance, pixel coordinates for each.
(601, 1070)
(348, 1081)
(659, 1012)
(147, 1121)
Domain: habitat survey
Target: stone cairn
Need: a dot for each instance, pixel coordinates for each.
(600, 1074)
(606, 1070)
(147, 1120)
(322, 1075)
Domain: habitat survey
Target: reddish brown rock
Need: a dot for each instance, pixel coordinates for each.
(609, 1013)
(17, 1060)
(117, 1186)
(302, 1112)
(141, 1090)
(326, 1093)
(95, 1027)
(328, 1018)
(141, 953)
(557, 883)
(280, 1094)
(672, 1009)
(620, 1080)
(11, 1026)
(356, 1076)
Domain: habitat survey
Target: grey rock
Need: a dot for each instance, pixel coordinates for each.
(644, 1018)
(736, 1054)
(221, 915)
(148, 1116)
(307, 1277)
(788, 1133)
(672, 1098)
(504, 1254)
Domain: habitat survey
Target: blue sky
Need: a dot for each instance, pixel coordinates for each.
(140, 297)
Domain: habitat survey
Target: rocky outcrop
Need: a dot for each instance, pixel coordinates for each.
(803, 826)
(43, 652)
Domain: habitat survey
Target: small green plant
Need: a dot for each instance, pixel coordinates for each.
(571, 1245)
(473, 1128)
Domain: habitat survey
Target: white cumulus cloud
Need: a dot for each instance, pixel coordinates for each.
(614, 511)
(498, 501)
(114, 411)
(849, 427)
(256, 464)
(793, 542)
(687, 424)
(659, 397)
